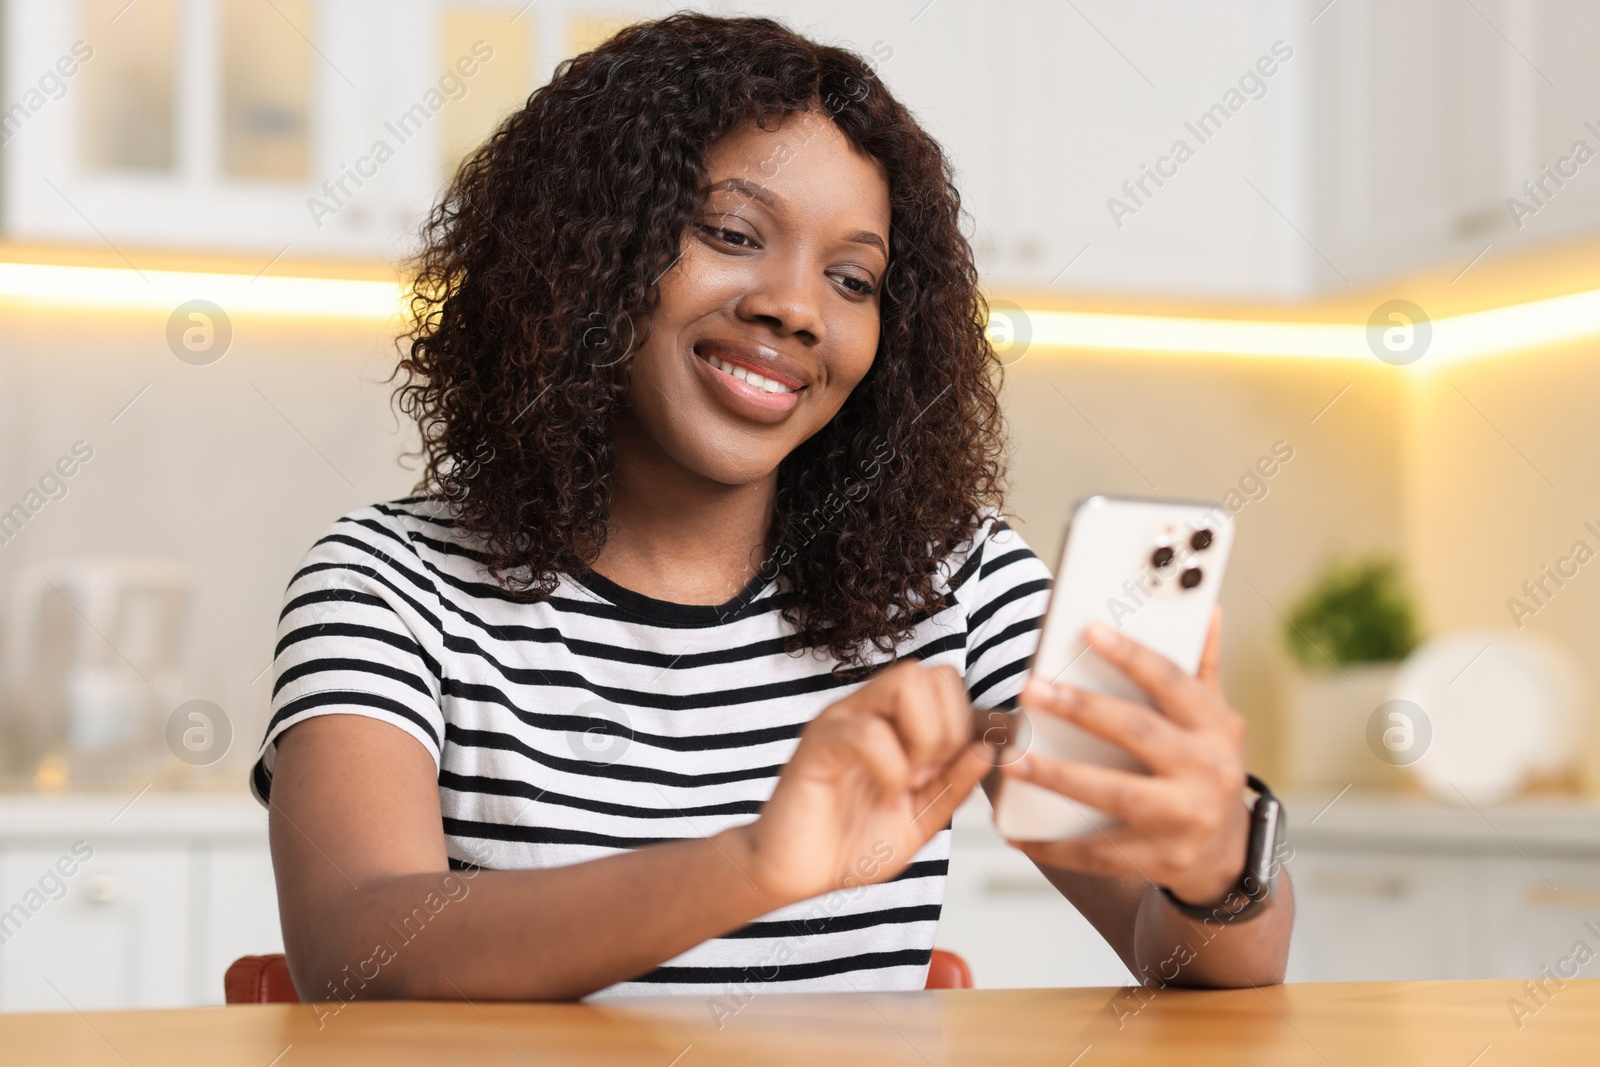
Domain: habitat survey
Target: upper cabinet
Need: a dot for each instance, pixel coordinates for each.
(1241, 149)
(325, 126)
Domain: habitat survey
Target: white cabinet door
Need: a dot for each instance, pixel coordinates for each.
(112, 934)
(1014, 929)
(1539, 910)
(237, 917)
(1380, 917)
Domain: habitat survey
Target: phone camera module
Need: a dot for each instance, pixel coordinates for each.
(1201, 541)
(1162, 557)
(1190, 578)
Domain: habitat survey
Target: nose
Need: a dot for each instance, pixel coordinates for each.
(787, 298)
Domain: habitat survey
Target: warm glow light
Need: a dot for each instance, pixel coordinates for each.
(93, 288)
(1455, 338)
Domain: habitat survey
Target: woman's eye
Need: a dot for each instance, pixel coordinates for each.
(859, 286)
(728, 237)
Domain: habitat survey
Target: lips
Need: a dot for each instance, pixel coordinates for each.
(751, 380)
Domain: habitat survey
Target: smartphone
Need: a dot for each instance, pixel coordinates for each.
(1151, 569)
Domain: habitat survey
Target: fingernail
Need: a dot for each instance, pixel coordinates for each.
(1037, 690)
(1068, 697)
(1022, 767)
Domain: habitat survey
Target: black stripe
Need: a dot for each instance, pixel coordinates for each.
(549, 835)
(1016, 629)
(1000, 562)
(584, 724)
(787, 972)
(511, 787)
(665, 613)
(716, 698)
(370, 633)
(834, 924)
(364, 666)
(401, 513)
(1016, 592)
(262, 779)
(324, 596)
(464, 738)
(350, 697)
(995, 677)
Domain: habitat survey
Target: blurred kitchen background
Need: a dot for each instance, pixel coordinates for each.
(1331, 263)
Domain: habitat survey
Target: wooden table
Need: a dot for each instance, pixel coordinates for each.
(1454, 1024)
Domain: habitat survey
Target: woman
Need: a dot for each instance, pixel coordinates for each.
(664, 683)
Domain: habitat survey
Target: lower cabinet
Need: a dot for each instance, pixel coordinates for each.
(1013, 927)
(152, 914)
(145, 911)
(1375, 917)
(1365, 910)
(110, 931)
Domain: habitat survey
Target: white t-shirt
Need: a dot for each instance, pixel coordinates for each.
(598, 720)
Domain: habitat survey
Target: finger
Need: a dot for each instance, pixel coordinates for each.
(935, 803)
(927, 710)
(1176, 693)
(863, 742)
(1211, 658)
(1144, 732)
(1139, 800)
(953, 709)
(901, 698)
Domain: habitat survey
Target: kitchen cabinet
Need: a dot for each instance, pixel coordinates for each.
(1388, 136)
(1386, 889)
(143, 906)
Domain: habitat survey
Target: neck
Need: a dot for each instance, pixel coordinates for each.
(675, 535)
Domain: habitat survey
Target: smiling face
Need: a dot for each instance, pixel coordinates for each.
(770, 317)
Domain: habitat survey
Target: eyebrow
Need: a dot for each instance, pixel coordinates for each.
(762, 195)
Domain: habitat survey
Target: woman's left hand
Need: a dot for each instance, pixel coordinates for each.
(1184, 825)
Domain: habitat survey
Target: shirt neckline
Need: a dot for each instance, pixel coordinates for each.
(666, 611)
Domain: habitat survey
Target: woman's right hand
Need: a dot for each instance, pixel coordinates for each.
(874, 777)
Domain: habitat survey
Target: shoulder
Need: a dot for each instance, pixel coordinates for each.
(396, 532)
(994, 558)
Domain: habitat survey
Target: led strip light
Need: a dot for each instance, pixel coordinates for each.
(122, 289)
(1460, 337)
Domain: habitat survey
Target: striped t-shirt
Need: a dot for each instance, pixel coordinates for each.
(598, 719)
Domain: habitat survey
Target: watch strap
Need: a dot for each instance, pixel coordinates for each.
(1255, 885)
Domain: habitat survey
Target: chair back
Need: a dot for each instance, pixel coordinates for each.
(265, 979)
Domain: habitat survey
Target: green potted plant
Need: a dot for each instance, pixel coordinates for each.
(1347, 634)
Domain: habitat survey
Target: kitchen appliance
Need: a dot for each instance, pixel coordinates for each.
(92, 666)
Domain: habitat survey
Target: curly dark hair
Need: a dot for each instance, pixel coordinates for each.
(545, 251)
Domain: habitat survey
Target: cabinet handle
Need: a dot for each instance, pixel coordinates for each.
(101, 889)
(1566, 897)
(1017, 883)
(1371, 886)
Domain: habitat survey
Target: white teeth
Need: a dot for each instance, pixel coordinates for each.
(750, 377)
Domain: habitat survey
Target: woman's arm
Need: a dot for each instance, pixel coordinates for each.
(370, 908)
(1183, 826)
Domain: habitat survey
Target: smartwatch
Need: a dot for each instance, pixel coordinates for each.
(1255, 885)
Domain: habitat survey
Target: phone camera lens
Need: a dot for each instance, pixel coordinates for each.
(1190, 578)
(1201, 541)
(1162, 556)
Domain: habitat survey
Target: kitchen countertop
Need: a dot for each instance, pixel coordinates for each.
(133, 814)
(1551, 826)
(1566, 826)
(1417, 1024)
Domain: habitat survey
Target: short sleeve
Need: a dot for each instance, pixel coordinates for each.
(1005, 595)
(353, 638)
